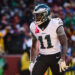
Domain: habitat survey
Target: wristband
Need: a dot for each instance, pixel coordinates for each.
(62, 58)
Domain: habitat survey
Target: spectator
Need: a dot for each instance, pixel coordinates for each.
(24, 64)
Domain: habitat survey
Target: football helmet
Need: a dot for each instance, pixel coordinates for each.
(41, 13)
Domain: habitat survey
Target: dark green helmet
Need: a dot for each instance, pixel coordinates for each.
(41, 12)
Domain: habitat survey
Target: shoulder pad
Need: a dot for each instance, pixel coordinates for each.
(32, 26)
(58, 21)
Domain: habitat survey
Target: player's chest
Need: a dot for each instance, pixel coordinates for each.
(45, 36)
(49, 30)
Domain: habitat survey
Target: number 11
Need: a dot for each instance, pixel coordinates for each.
(47, 37)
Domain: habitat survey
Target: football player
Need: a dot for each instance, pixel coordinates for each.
(52, 40)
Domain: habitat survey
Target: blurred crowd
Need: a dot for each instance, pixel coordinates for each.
(16, 16)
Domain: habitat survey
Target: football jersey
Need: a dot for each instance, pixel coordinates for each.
(48, 39)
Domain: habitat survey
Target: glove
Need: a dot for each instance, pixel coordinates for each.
(31, 66)
(62, 65)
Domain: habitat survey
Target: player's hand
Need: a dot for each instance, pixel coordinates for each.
(62, 65)
(31, 66)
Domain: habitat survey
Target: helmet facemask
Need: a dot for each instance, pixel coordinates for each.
(40, 17)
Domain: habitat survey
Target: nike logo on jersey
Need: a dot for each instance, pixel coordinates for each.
(43, 33)
(57, 57)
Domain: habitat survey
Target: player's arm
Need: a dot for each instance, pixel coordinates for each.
(33, 52)
(34, 48)
(63, 40)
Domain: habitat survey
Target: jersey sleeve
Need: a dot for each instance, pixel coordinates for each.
(32, 28)
(59, 23)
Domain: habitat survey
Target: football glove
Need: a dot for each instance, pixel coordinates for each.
(31, 66)
(62, 65)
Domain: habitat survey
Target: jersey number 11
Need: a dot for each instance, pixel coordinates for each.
(47, 37)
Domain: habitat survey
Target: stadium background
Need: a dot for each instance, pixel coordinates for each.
(15, 36)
